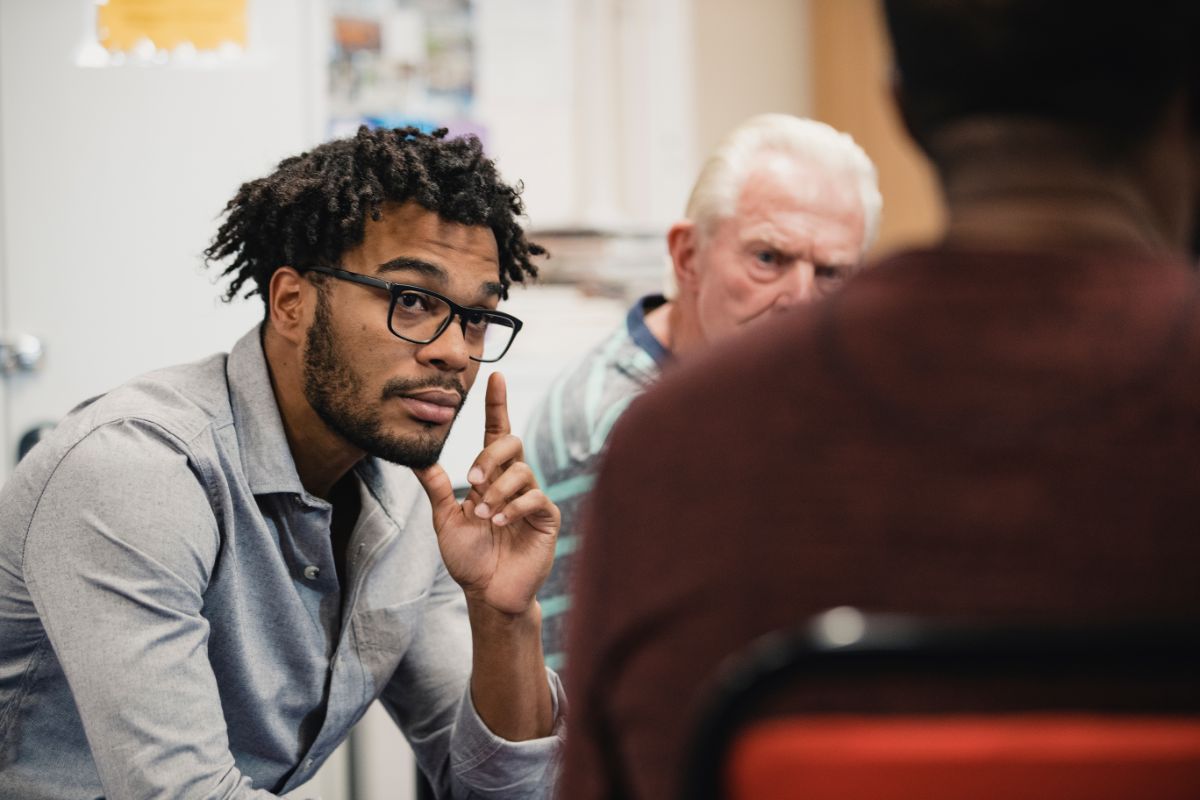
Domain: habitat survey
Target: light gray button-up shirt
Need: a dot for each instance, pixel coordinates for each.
(171, 622)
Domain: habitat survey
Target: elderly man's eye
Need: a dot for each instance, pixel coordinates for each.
(830, 279)
(769, 257)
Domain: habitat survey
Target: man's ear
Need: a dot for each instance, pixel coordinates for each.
(682, 245)
(287, 304)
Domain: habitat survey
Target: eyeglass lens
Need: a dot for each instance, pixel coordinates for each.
(419, 317)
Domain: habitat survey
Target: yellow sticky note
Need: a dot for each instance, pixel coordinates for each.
(205, 24)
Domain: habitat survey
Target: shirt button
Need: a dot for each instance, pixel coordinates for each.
(312, 572)
(308, 763)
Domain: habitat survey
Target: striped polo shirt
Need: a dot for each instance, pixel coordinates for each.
(566, 436)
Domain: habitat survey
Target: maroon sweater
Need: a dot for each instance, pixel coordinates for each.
(976, 434)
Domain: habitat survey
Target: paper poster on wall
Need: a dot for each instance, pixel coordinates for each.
(157, 30)
(402, 62)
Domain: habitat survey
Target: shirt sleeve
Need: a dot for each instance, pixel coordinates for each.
(430, 698)
(117, 558)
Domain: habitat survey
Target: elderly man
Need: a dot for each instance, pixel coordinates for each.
(1005, 426)
(208, 574)
(781, 214)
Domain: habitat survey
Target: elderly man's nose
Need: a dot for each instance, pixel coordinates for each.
(797, 287)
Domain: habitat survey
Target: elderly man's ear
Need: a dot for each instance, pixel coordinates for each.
(682, 245)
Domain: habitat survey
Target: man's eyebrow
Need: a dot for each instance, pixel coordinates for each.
(405, 264)
(492, 289)
(437, 273)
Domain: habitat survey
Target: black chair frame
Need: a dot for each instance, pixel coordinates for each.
(895, 645)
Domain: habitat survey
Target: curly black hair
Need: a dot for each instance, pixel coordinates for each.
(314, 206)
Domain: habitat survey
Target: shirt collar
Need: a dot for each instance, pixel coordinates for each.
(639, 331)
(265, 453)
(262, 443)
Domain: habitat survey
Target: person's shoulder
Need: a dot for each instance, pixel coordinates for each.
(152, 417)
(182, 400)
(570, 422)
(603, 353)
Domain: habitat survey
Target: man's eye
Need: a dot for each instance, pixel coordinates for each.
(830, 279)
(476, 319)
(412, 301)
(769, 258)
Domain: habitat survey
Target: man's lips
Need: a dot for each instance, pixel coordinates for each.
(433, 406)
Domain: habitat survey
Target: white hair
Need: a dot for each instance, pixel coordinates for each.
(716, 191)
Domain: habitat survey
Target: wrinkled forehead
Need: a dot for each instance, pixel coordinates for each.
(794, 206)
(778, 180)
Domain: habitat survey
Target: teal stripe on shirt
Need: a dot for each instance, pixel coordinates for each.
(571, 487)
(594, 390)
(553, 606)
(554, 405)
(566, 545)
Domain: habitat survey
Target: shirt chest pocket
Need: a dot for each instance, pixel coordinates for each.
(383, 636)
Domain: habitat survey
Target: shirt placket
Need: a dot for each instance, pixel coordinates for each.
(348, 695)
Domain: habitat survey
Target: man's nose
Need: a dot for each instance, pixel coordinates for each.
(796, 286)
(449, 351)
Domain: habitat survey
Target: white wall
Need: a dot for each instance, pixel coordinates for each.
(750, 57)
(589, 102)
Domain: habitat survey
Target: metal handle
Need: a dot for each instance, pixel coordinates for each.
(22, 353)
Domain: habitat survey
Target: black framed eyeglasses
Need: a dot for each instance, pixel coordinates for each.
(420, 315)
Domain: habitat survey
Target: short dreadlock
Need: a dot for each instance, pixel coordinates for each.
(314, 206)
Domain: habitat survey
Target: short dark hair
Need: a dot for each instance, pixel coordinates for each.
(1106, 69)
(314, 206)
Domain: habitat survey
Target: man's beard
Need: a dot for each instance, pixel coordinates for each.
(334, 391)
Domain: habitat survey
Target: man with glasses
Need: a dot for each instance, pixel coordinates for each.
(208, 574)
(781, 214)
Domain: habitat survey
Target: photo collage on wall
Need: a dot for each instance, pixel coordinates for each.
(395, 63)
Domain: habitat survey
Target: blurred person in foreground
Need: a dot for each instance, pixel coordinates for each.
(781, 214)
(1005, 426)
(209, 573)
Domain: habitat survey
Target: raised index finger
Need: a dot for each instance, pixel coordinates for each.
(495, 414)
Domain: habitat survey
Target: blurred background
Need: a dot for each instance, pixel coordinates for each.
(125, 125)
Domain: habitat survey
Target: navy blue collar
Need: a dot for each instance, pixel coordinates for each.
(635, 322)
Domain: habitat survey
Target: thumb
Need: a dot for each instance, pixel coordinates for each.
(437, 486)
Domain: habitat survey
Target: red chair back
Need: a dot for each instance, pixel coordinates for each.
(1139, 738)
(1026, 756)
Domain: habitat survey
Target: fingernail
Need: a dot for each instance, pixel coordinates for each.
(500, 519)
(482, 511)
(475, 475)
